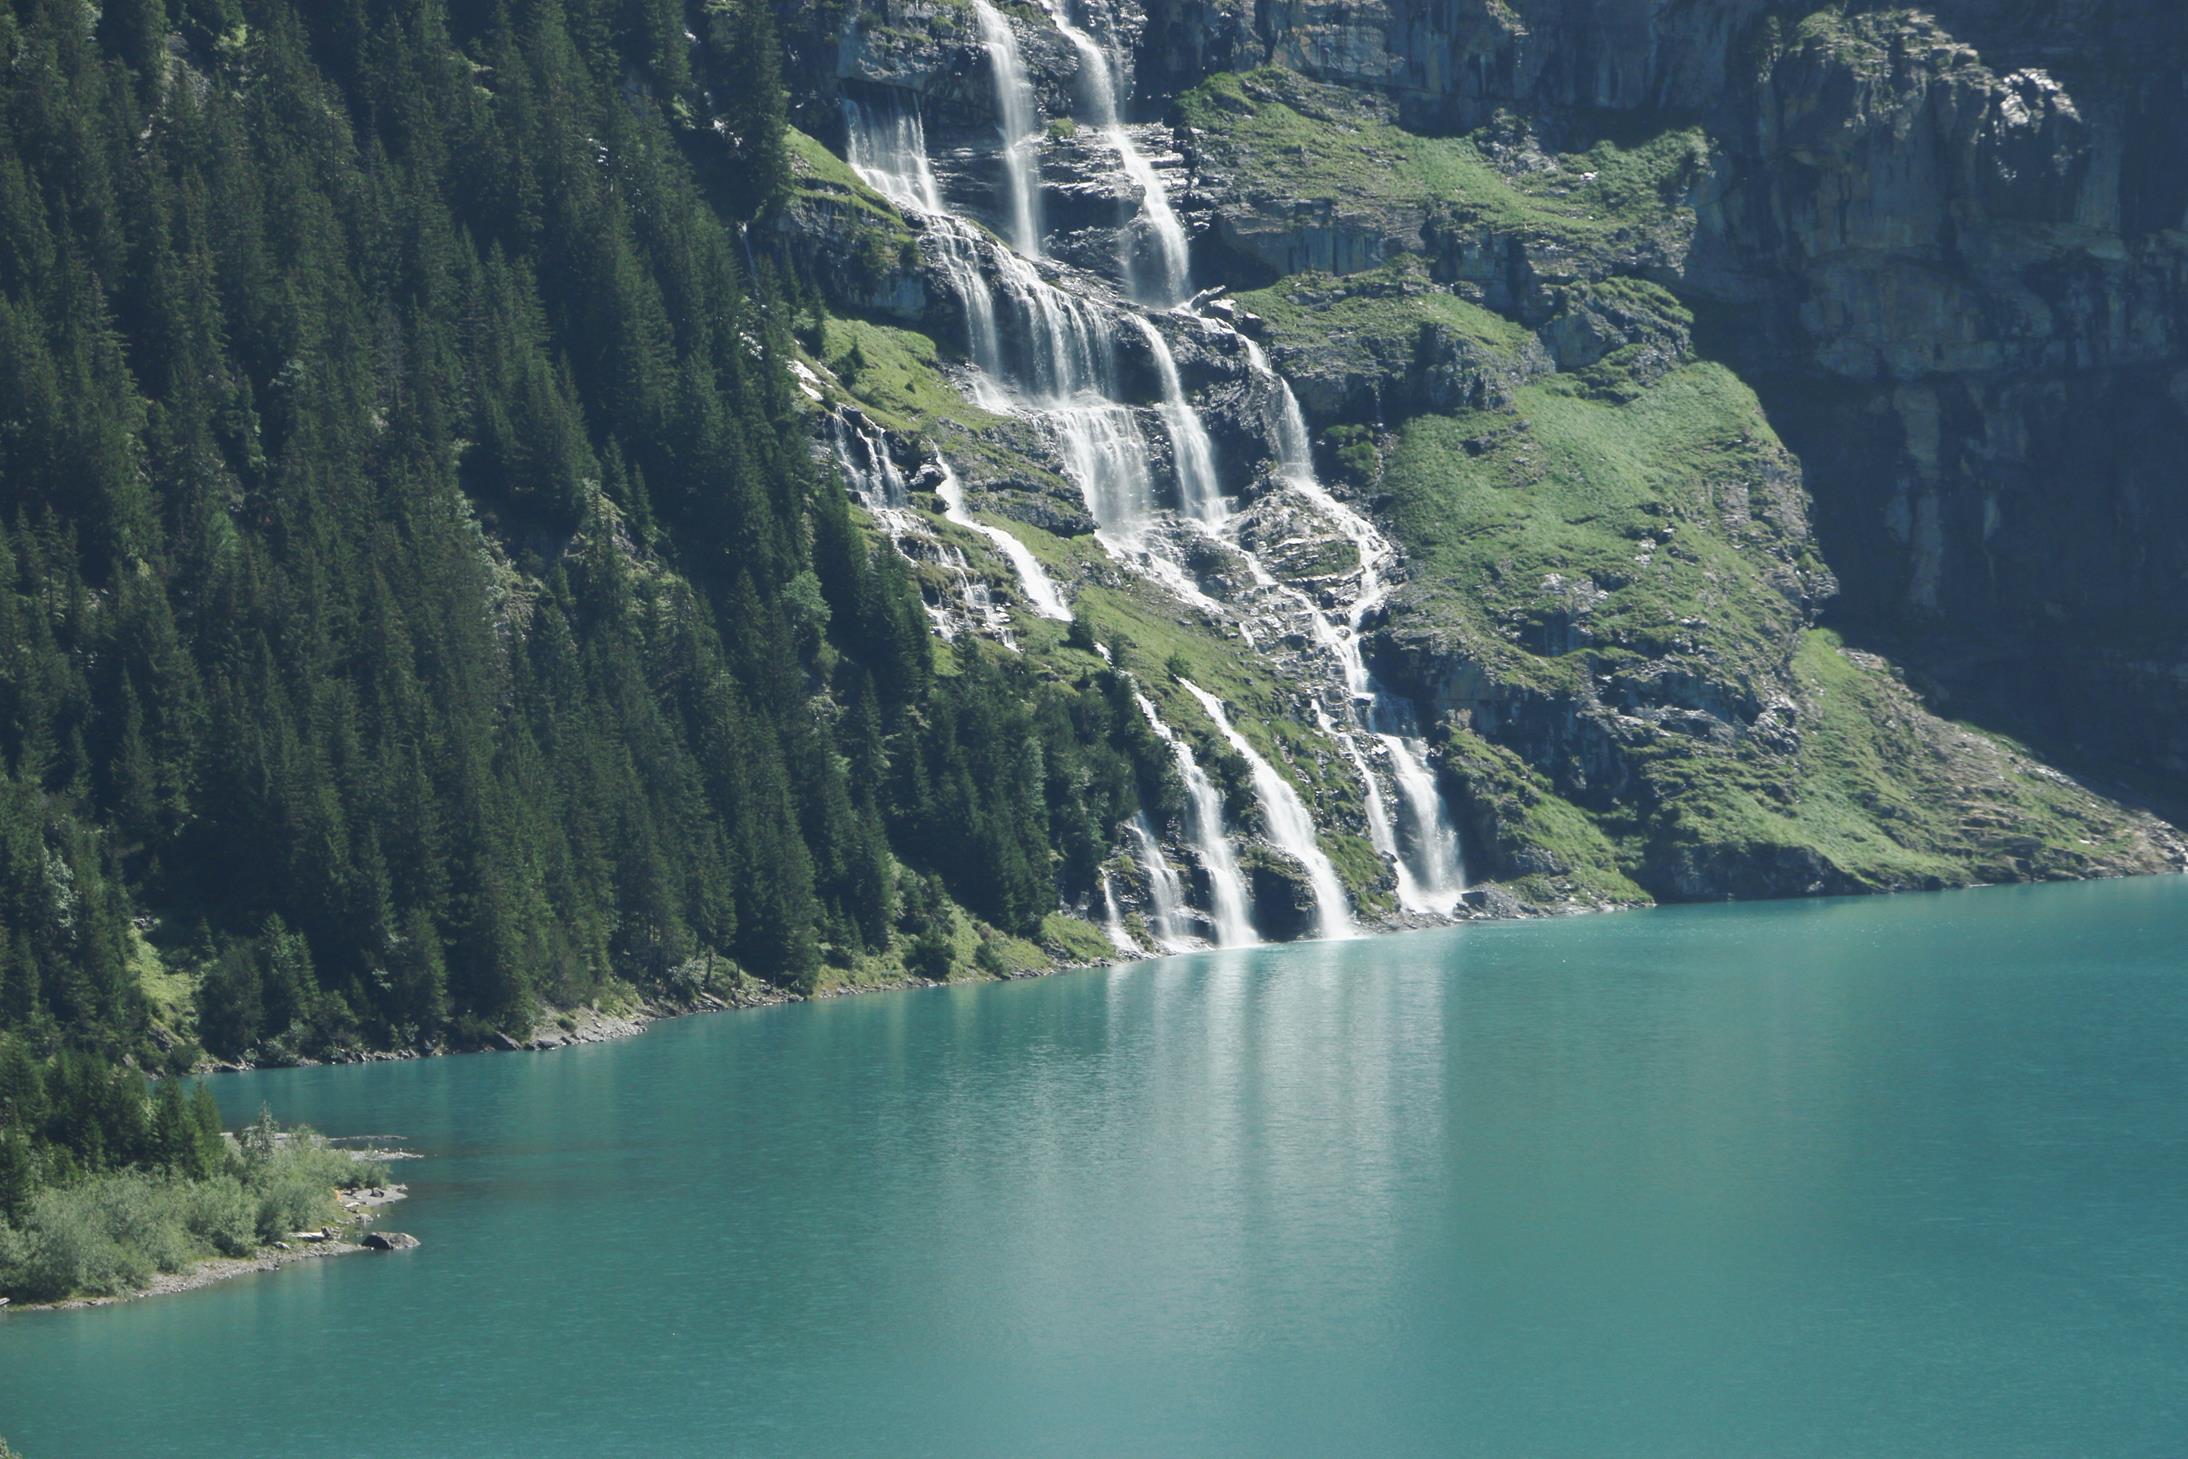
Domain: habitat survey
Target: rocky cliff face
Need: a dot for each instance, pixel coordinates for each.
(1944, 242)
(1649, 341)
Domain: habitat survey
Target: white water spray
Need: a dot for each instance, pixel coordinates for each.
(1165, 888)
(1105, 98)
(1018, 120)
(1034, 582)
(1430, 868)
(1113, 921)
(1200, 494)
(1226, 884)
(1440, 874)
(1291, 827)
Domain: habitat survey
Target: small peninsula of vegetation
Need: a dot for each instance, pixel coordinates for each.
(106, 1182)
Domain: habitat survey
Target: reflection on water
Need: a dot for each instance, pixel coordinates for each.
(1895, 1176)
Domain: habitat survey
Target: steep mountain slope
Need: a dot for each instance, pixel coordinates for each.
(421, 608)
(517, 507)
(1512, 263)
(1943, 242)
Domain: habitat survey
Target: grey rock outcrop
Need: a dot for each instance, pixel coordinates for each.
(1946, 244)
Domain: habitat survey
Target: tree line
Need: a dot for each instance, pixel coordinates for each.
(419, 603)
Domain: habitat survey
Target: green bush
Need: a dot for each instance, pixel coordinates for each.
(63, 1248)
(107, 1234)
(143, 1216)
(931, 956)
(221, 1215)
(296, 1180)
(290, 1202)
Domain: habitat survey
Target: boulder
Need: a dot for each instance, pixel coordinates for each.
(389, 1241)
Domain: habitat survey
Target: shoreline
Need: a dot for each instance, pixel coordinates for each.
(592, 1025)
(360, 1206)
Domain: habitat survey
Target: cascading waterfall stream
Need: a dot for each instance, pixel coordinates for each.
(1016, 117)
(887, 146)
(1165, 888)
(1065, 367)
(1113, 921)
(1291, 826)
(1441, 872)
(1226, 884)
(1381, 824)
(1105, 97)
(1430, 867)
(1038, 588)
(1200, 494)
(862, 452)
(1048, 353)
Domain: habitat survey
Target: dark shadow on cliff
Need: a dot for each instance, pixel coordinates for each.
(2091, 675)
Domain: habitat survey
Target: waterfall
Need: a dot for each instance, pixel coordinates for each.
(1431, 869)
(1033, 580)
(1200, 495)
(1382, 825)
(981, 609)
(1016, 116)
(1113, 922)
(1226, 884)
(863, 451)
(1172, 257)
(1048, 353)
(1106, 454)
(1291, 827)
(1105, 98)
(887, 146)
(1440, 872)
(1066, 367)
(1165, 889)
(871, 474)
(1067, 338)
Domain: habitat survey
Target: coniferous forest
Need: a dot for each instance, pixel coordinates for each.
(420, 606)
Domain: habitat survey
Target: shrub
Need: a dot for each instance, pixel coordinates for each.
(142, 1215)
(107, 1234)
(931, 956)
(288, 1201)
(220, 1215)
(296, 1180)
(62, 1248)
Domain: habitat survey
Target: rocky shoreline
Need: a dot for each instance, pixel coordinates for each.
(571, 1028)
(360, 1206)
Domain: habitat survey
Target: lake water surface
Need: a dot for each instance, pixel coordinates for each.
(1903, 1176)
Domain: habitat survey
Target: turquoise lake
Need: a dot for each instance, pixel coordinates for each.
(1890, 1176)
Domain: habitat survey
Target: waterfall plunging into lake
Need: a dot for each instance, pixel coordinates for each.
(1050, 346)
(1291, 825)
(1165, 890)
(1430, 868)
(1113, 920)
(1226, 884)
